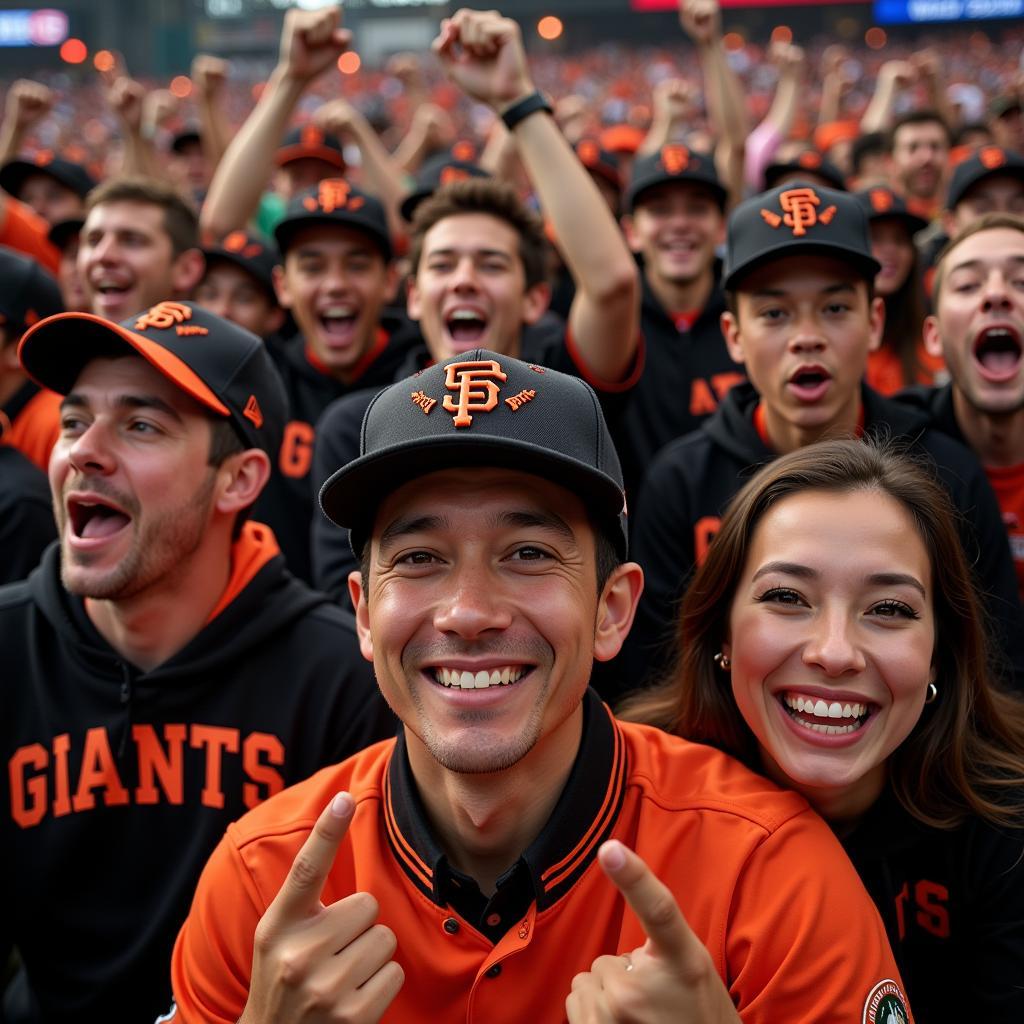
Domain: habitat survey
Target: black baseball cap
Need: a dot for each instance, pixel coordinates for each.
(1003, 105)
(186, 137)
(599, 161)
(71, 175)
(27, 292)
(880, 203)
(435, 173)
(222, 366)
(793, 219)
(674, 163)
(64, 230)
(812, 162)
(249, 252)
(480, 408)
(986, 162)
(310, 143)
(335, 201)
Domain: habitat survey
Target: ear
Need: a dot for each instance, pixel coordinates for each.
(187, 271)
(616, 609)
(629, 230)
(876, 317)
(361, 605)
(931, 335)
(413, 306)
(284, 295)
(391, 285)
(949, 223)
(535, 302)
(274, 319)
(733, 340)
(9, 356)
(241, 478)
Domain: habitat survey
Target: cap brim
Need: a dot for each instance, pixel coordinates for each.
(350, 497)
(288, 154)
(637, 190)
(912, 221)
(286, 229)
(867, 265)
(408, 206)
(54, 351)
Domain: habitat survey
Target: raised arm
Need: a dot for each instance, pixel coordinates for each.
(27, 104)
(673, 112)
(311, 41)
(483, 54)
(893, 76)
(208, 76)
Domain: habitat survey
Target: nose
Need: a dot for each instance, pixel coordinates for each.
(464, 276)
(996, 297)
(832, 646)
(90, 452)
(807, 337)
(472, 605)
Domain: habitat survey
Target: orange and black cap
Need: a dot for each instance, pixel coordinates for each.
(599, 161)
(436, 173)
(27, 292)
(249, 252)
(986, 162)
(61, 233)
(222, 366)
(811, 162)
(310, 143)
(71, 175)
(880, 203)
(335, 201)
(674, 163)
(483, 409)
(794, 219)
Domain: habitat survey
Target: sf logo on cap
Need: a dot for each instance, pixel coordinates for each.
(473, 380)
(675, 159)
(164, 315)
(800, 211)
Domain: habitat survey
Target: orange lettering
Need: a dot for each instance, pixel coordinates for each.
(164, 314)
(296, 455)
(216, 740)
(703, 534)
(722, 382)
(333, 194)
(98, 769)
(675, 159)
(702, 401)
(155, 763)
(257, 743)
(932, 913)
(61, 793)
(462, 377)
(253, 413)
(28, 796)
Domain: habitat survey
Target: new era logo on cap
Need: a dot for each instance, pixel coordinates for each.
(799, 211)
(253, 413)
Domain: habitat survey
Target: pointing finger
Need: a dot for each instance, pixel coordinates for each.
(650, 899)
(300, 894)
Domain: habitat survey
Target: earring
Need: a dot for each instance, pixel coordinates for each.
(933, 692)
(722, 661)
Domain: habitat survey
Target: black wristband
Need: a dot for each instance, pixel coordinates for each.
(524, 108)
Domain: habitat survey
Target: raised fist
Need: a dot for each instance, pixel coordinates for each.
(311, 41)
(27, 103)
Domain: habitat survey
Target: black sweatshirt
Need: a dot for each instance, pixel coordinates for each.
(118, 783)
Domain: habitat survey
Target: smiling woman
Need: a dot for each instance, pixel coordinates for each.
(832, 640)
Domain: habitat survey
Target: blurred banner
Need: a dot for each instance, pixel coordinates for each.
(909, 12)
(671, 5)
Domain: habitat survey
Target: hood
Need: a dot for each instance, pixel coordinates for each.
(650, 304)
(937, 404)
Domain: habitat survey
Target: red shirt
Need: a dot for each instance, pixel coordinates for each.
(1008, 484)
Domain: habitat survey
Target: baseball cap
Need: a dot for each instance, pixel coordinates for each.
(986, 162)
(27, 292)
(64, 230)
(71, 175)
(186, 137)
(222, 366)
(793, 219)
(249, 252)
(599, 161)
(880, 203)
(312, 143)
(809, 161)
(435, 173)
(480, 408)
(674, 163)
(335, 201)
(1003, 105)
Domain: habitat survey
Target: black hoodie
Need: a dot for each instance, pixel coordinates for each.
(119, 783)
(693, 479)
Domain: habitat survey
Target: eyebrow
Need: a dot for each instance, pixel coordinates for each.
(451, 251)
(979, 264)
(523, 518)
(79, 401)
(805, 572)
(781, 293)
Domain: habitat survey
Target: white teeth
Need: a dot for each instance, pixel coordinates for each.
(821, 709)
(464, 314)
(818, 707)
(339, 311)
(835, 710)
(481, 680)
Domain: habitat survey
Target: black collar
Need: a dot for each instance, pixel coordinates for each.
(582, 819)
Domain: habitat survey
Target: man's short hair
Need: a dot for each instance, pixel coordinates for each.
(986, 222)
(865, 146)
(496, 198)
(919, 117)
(181, 221)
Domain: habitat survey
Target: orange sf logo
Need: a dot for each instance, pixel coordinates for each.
(881, 200)
(991, 157)
(675, 159)
(800, 211)
(463, 150)
(311, 135)
(588, 153)
(809, 160)
(333, 194)
(474, 380)
(235, 242)
(450, 174)
(163, 315)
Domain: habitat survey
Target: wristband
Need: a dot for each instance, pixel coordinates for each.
(524, 108)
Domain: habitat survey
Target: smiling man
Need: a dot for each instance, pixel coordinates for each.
(162, 670)
(802, 319)
(474, 868)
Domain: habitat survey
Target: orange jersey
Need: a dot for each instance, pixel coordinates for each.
(1009, 487)
(36, 427)
(885, 371)
(23, 229)
(759, 877)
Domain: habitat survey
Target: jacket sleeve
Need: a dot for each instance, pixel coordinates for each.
(337, 443)
(26, 529)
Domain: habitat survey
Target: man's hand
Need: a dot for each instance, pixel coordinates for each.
(407, 69)
(126, 98)
(701, 20)
(208, 76)
(483, 54)
(311, 41)
(787, 57)
(317, 963)
(900, 73)
(336, 117)
(670, 978)
(27, 103)
(158, 107)
(673, 102)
